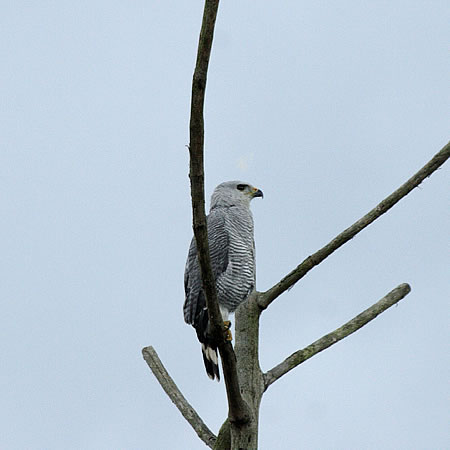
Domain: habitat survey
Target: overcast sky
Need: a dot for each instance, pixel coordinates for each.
(327, 107)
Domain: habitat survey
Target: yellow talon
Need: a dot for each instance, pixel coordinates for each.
(228, 335)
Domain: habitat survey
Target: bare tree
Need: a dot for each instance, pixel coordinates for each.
(245, 382)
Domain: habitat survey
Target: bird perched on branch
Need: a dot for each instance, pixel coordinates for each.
(232, 253)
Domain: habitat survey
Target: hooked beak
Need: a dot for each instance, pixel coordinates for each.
(257, 193)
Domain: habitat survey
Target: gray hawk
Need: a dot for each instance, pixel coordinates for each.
(232, 252)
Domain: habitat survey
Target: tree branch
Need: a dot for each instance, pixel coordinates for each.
(238, 409)
(345, 330)
(266, 298)
(196, 172)
(171, 389)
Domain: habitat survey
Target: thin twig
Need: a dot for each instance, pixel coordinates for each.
(266, 298)
(238, 410)
(171, 389)
(335, 336)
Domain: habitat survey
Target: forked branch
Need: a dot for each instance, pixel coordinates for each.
(266, 298)
(328, 340)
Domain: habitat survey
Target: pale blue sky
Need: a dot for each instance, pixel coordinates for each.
(325, 106)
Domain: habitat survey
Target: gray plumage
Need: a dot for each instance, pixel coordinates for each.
(232, 252)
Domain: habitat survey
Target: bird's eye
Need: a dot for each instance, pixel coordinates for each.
(241, 187)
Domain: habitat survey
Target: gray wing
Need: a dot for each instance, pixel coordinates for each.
(218, 240)
(238, 280)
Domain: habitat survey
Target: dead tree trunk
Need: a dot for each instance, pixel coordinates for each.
(245, 382)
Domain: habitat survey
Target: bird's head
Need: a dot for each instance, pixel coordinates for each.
(234, 193)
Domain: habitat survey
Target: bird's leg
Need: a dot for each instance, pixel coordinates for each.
(226, 328)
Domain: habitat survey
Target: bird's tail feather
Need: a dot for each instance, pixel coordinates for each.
(211, 361)
(209, 347)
